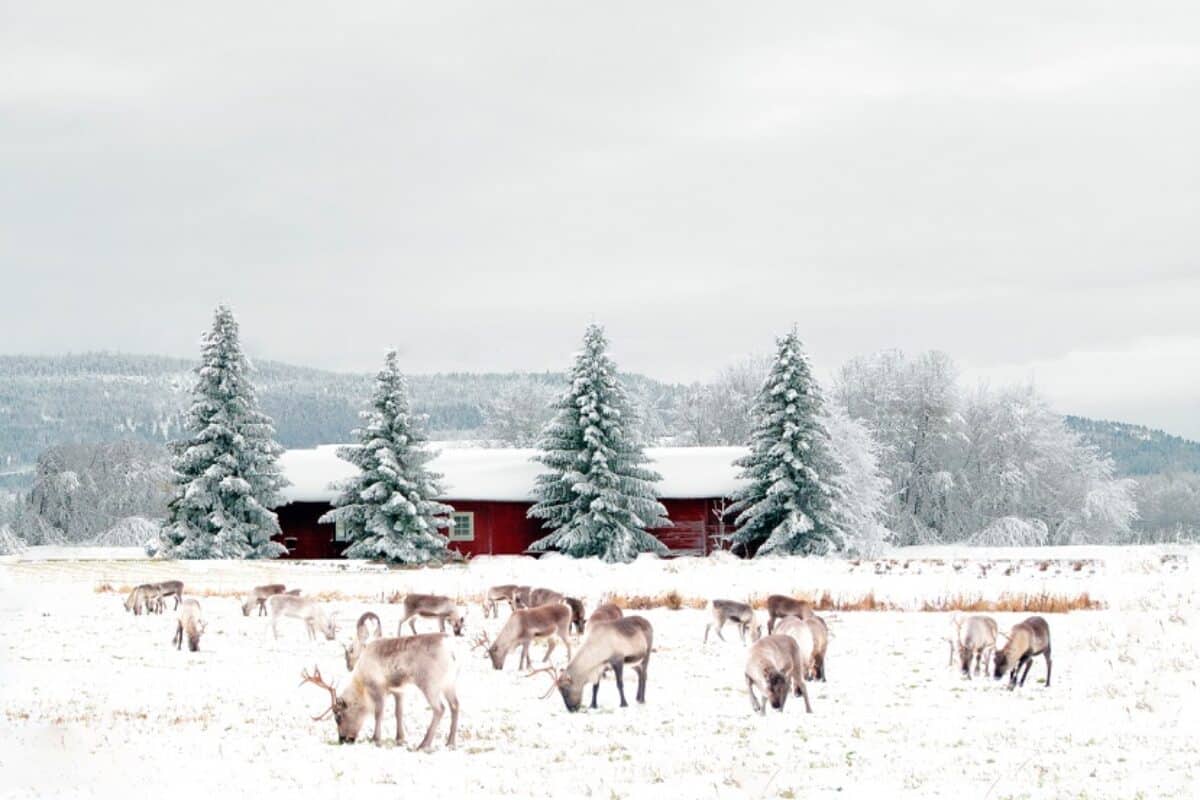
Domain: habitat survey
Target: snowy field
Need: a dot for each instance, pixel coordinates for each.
(96, 701)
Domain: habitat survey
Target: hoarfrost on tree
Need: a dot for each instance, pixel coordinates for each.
(388, 510)
(226, 474)
(596, 497)
(788, 505)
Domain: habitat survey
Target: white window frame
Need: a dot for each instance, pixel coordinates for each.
(470, 517)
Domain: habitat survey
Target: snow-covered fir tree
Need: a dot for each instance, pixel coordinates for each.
(788, 504)
(226, 476)
(388, 509)
(597, 497)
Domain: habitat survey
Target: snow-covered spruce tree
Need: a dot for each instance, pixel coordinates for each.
(597, 497)
(388, 509)
(788, 506)
(226, 475)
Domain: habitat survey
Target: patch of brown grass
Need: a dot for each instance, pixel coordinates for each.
(103, 587)
(672, 600)
(1023, 602)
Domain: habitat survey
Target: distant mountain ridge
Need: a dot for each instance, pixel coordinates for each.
(48, 400)
(1137, 449)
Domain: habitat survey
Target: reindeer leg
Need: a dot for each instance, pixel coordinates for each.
(641, 672)
(412, 623)
(550, 645)
(377, 700)
(441, 624)
(275, 626)
(178, 640)
(595, 691)
(439, 708)
(821, 668)
(1047, 654)
(707, 628)
(770, 625)
(452, 698)
(399, 717)
(525, 662)
(1028, 659)
(754, 704)
(802, 690)
(618, 667)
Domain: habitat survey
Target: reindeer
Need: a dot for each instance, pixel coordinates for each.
(780, 605)
(812, 637)
(142, 598)
(775, 665)
(1027, 639)
(430, 605)
(730, 610)
(541, 597)
(362, 634)
(258, 597)
(523, 628)
(304, 608)
(515, 596)
(188, 621)
(975, 637)
(169, 589)
(609, 645)
(385, 667)
(605, 612)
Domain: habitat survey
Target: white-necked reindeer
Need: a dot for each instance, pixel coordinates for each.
(385, 667)
(609, 645)
(362, 635)
(189, 622)
(302, 608)
(775, 666)
(431, 606)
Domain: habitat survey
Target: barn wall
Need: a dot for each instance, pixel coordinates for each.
(501, 528)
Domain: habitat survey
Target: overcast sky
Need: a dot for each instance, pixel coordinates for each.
(1018, 185)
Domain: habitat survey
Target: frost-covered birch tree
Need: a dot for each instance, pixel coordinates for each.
(861, 490)
(597, 497)
(389, 509)
(788, 504)
(226, 475)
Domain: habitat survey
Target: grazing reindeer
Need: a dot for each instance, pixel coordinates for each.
(304, 608)
(606, 612)
(975, 637)
(812, 636)
(609, 645)
(1028, 639)
(362, 634)
(732, 611)
(541, 597)
(430, 605)
(775, 666)
(385, 667)
(780, 605)
(188, 621)
(525, 626)
(142, 598)
(169, 589)
(258, 597)
(515, 596)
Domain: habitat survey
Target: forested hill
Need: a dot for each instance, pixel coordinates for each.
(102, 396)
(1138, 450)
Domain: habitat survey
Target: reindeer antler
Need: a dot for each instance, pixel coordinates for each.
(481, 641)
(554, 676)
(316, 679)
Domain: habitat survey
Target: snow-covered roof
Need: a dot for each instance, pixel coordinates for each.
(508, 474)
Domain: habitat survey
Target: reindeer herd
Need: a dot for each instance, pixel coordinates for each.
(779, 663)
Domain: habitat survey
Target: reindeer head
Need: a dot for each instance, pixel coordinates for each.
(1001, 660)
(578, 619)
(777, 690)
(347, 715)
(571, 690)
(456, 622)
(351, 650)
(247, 605)
(482, 642)
(330, 628)
(194, 633)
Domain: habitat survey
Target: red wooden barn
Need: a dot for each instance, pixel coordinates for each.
(492, 489)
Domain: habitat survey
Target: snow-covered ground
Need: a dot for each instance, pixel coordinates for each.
(96, 701)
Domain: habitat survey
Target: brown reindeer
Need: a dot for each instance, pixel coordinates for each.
(780, 606)
(433, 606)
(609, 645)
(523, 628)
(189, 622)
(541, 597)
(975, 637)
(1027, 639)
(258, 598)
(167, 589)
(362, 635)
(515, 596)
(775, 666)
(143, 598)
(724, 611)
(605, 612)
(385, 667)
